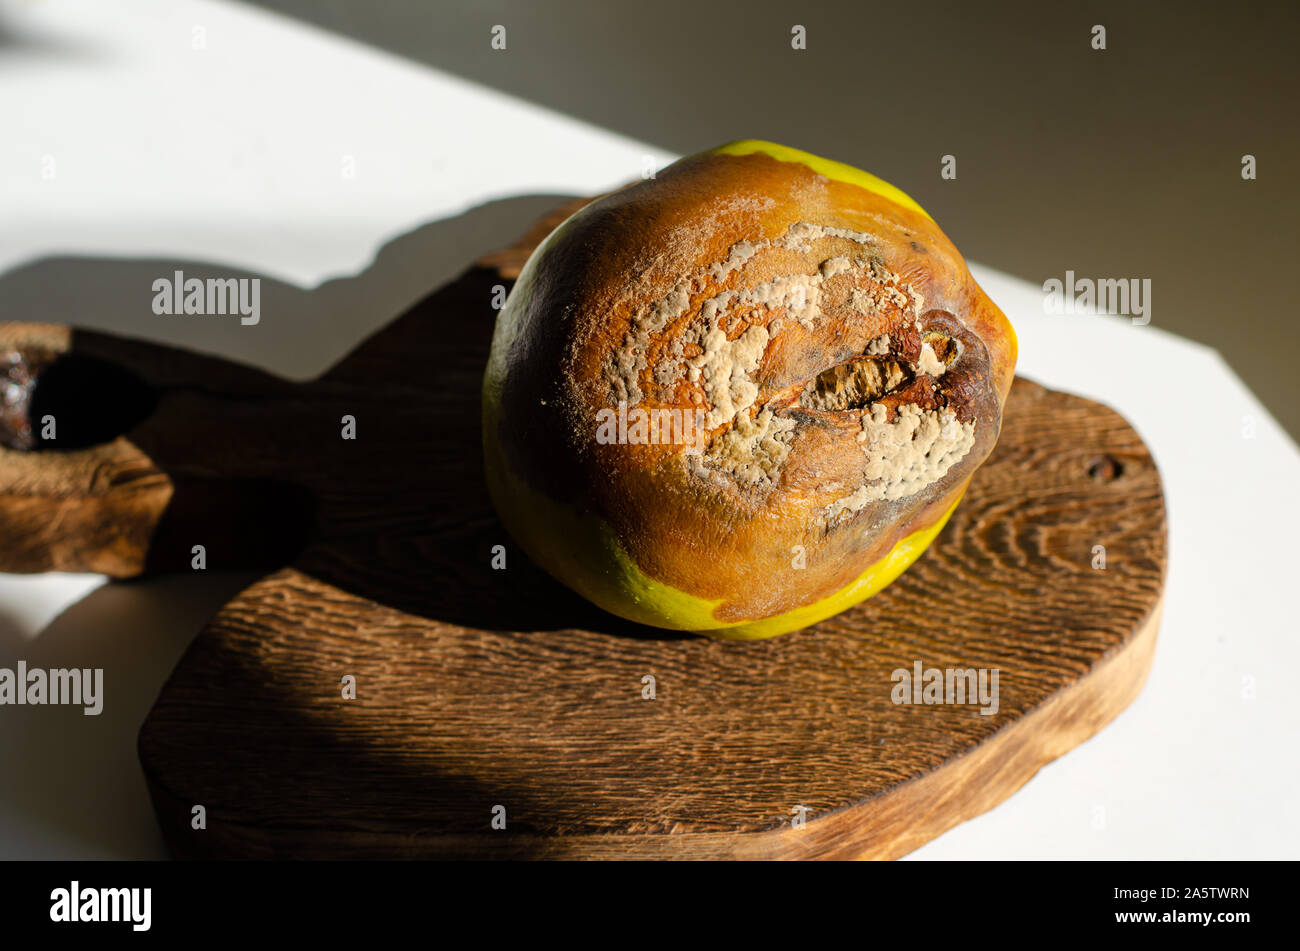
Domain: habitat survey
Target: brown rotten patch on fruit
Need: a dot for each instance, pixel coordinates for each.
(847, 371)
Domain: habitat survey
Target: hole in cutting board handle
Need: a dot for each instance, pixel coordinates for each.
(90, 401)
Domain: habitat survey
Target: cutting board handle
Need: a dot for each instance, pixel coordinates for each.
(116, 457)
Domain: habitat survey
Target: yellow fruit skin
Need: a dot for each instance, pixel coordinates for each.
(582, 551)
(831, 169)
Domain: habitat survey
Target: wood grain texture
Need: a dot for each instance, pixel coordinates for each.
(452, 718)
(478, 687)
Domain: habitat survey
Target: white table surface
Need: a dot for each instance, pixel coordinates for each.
(231, 157)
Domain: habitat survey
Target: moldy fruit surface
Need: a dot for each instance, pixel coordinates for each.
(742, 396)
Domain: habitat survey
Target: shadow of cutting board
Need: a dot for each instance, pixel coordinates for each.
(483, 692)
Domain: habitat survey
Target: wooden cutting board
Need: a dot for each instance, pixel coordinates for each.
(485, 693)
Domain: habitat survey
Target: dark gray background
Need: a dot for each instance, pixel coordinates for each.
(1124, 163)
